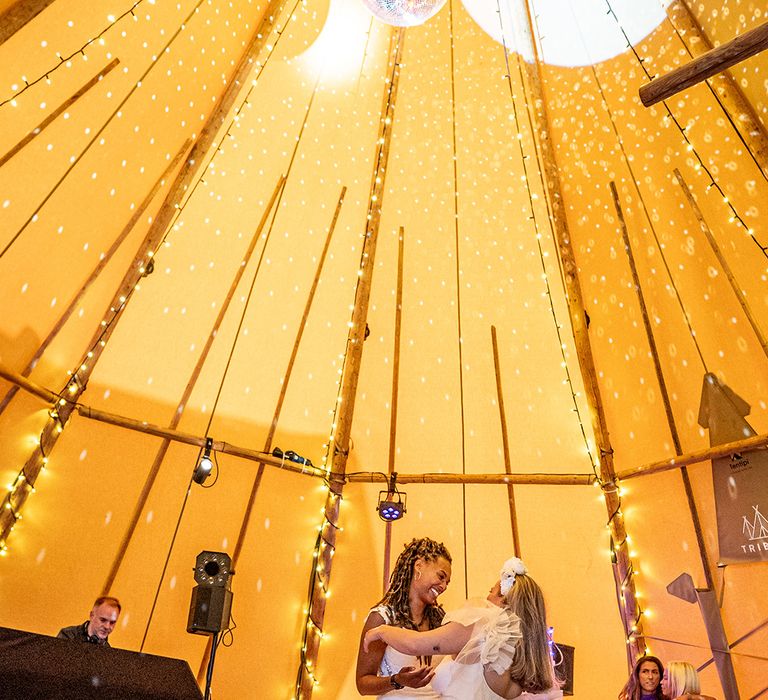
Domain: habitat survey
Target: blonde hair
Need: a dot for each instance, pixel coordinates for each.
(682, 678)
(532, 664)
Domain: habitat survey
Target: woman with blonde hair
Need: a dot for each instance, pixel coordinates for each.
(499, 648)
(681, 681)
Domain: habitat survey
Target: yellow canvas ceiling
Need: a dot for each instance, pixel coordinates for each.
(157, 270)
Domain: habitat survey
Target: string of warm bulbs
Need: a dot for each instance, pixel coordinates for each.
(66, 60)
(699, 165)
(524, 158)
(23, 484)
(648, 218)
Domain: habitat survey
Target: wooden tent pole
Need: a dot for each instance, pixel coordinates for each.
(18, 15)
(78, 383)
(191, 383)
(341, 439)
(706, 566)
(287, 378)
(93, 276)
(623, 566)
(63, 107)
(740, 296)
(740, 111)
(705, 66)
(505, 445)
(393, 400)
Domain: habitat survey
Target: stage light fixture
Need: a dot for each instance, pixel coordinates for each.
(391, 505)
(213, 568)
(205, 465)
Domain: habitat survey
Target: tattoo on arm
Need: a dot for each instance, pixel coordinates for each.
(436, 648)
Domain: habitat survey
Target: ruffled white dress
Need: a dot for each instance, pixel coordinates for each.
(495, 634)
(393, 661)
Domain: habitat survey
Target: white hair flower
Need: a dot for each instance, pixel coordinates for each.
(512, 567)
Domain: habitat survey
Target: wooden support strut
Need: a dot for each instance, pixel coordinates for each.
(623, 568)
(18, 15)
(98, 268)
(157, 462)
(737, 107)
(505, 444)
(740, 295)
(706, 567)
(706, 65)
(78, 383)
(284, 384)
(341, 439)
(63, 107)
(393, 401)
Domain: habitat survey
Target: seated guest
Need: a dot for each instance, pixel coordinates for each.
(99, 625)
(645, 680)
(681, 682)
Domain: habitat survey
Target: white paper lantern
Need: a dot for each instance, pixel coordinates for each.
(404, 13)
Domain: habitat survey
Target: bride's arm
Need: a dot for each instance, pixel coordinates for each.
(448, 639)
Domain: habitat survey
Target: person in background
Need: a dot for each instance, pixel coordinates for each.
(499, 647)
(681, 682)
(422, 572)
(645, 680)
(99, 625)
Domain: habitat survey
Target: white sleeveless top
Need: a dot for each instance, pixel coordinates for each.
(393, 661)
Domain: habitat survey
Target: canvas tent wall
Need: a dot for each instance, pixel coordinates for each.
(239, 327)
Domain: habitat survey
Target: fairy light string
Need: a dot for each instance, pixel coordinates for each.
(66, 60)
(97, 135)
(620, 555)
(217, 148)
(699, 165)
(20, 488)
(336, 449)
(524, 158)
(636, 185)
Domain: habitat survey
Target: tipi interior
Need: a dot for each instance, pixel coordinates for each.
(462, 252)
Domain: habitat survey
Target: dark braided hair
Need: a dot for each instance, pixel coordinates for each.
(396, 597)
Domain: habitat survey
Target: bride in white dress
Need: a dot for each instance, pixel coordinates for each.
(499, 647)
(421, 574)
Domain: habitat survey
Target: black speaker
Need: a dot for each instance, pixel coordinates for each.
(209, 609)
(563, 657)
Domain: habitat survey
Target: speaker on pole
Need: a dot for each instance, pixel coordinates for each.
(211, 604)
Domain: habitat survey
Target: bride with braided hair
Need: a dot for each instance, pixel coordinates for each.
(499, 647)
(422, 572)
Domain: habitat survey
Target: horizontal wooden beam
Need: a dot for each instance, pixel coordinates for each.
(439, 478)
(706, 65)
(751, 443)
(746, 445)
(159, 431)
(196, 440)
(29, 386)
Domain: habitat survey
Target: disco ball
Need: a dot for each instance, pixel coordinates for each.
(404, 13)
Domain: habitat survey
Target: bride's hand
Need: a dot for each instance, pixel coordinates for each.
(372, 635)
(415, 677)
